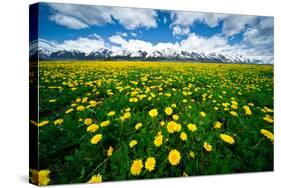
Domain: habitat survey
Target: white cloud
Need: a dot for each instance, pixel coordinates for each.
(68, 21)
(101, 15)
(117, 39)
(95, 36)
(83, 44)
(133, 34)
(188, 18)
(177, 30)
(260, 34)
(181, 21)
(123, 34)
(135, 18)
(234, 24)
(132, 44)
(214, 44)
(260, 38)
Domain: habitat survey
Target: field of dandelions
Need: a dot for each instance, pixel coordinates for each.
(106, 121)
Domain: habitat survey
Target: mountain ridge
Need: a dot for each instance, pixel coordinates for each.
(47, 51)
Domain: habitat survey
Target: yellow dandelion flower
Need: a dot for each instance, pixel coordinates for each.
(96, 179)
(69, 110)
(251, 104)
(174, 157)
(133, 143)
(85, 99)
(153, 113)
(92, 128)
(202, 114)
(192, 154)
(96, 139)
(111, 113)
(233, 113)
(80, 108)
(234, 103)
(58, 122)
(208, 147)
(226, 138)
(268, 109)
(43, 123)
(52, 100)
(109, 151)
(183, 136)
(268, 119)
(105, 123)
(173, 105)
(247, 110)
(127, 115)
(218, 125)
(234, 106)
(88, 121)
(162, 123)
(136, 167)
(192, 127)
(134, 99)
(138, 125)
(93, 103)
(173, 127)
(267, 134)
(176, 117)
(168, 111)
(41, 177)
(150, 163)
(158, 140)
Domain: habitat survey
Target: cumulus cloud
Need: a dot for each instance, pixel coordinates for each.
(68, 21)
(135, 18)
(188, 18)
(83, 44)
(261, 34)
(232, 24)
(117, 39)
(132, 44)
(102, 15)
(177, 30)
(122, 34)
(181, 21)
(214, 44)
(260, 38)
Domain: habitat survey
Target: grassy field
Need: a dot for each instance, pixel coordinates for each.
(105, 121)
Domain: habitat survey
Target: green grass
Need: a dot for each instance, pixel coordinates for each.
(66, 149)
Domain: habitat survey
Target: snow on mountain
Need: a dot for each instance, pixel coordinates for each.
(162, 51)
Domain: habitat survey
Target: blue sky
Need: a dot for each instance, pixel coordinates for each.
(250, 36)
(50, 30)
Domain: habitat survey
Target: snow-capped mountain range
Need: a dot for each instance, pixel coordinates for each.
(45, 50)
